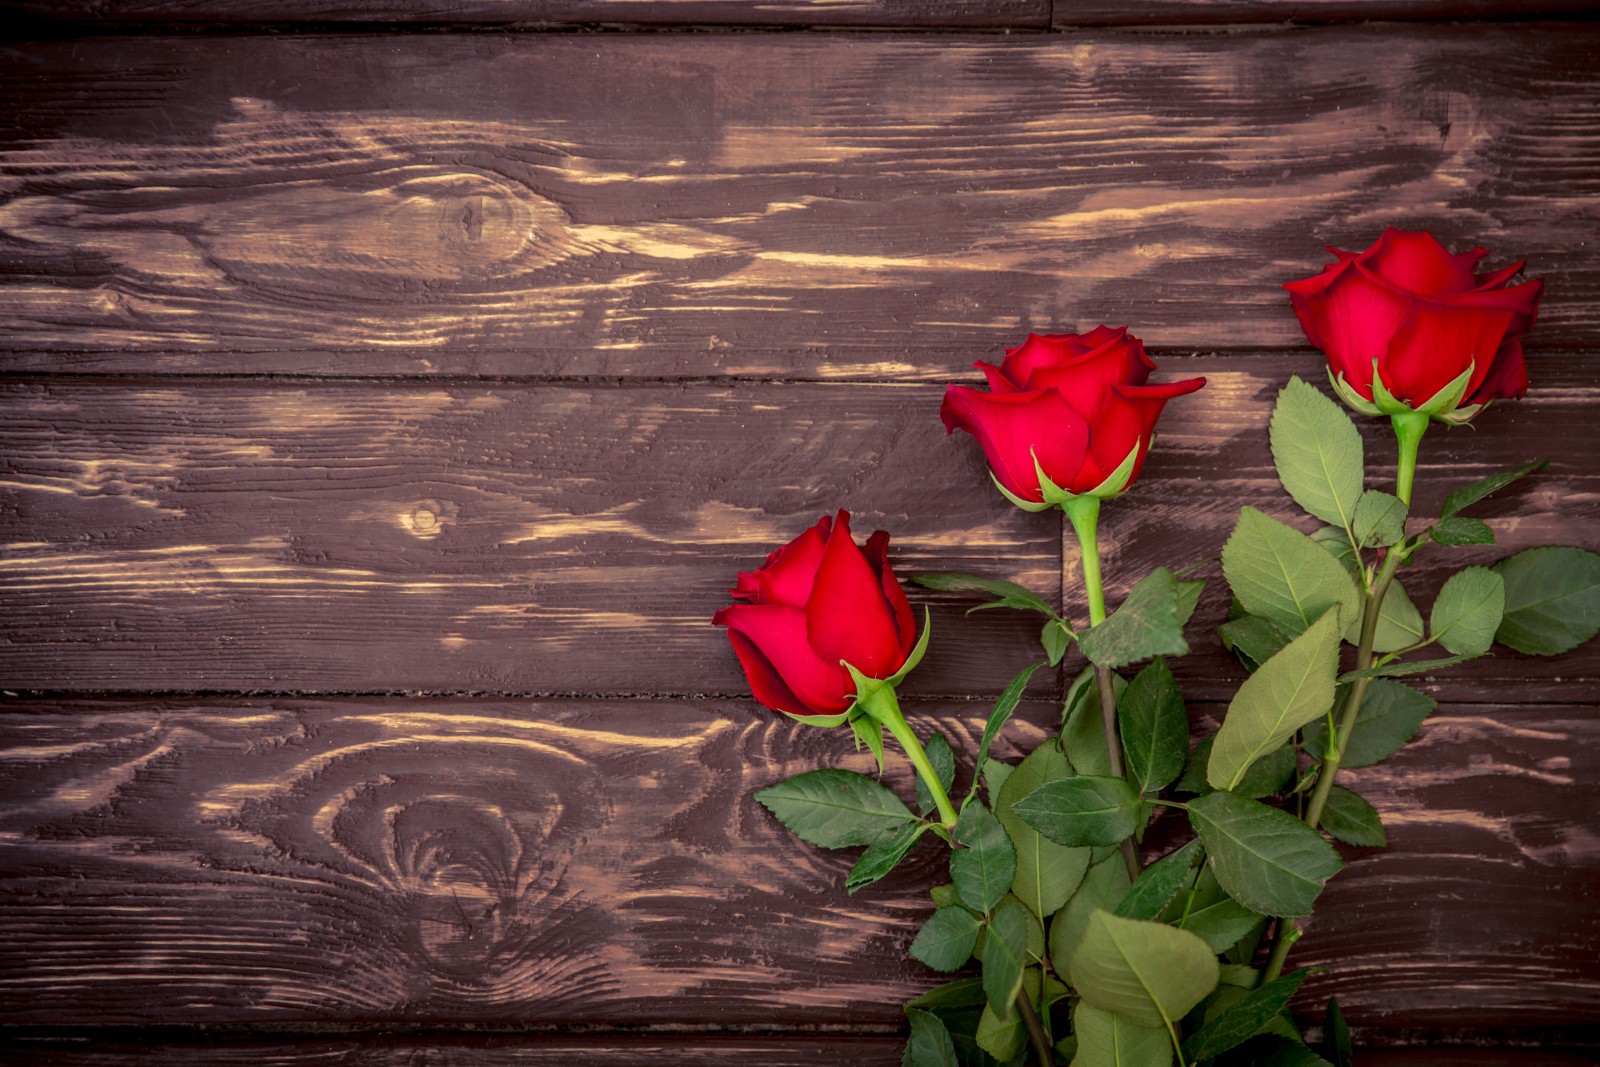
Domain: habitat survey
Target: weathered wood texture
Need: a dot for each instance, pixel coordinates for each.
(577, 538)
(882, 206)
(603, 863)
(951, 14)
(1072, 13)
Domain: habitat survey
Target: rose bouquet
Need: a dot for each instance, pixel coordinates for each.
(1086, 953)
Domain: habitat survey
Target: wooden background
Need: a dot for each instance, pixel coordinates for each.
(391, 392)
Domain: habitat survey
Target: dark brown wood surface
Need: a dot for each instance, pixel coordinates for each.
(875, 207)
(383, 415)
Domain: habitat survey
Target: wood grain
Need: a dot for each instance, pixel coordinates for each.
(954, 14)
(577, 538)
(1073, 13)
(580, 862)
(875, 207)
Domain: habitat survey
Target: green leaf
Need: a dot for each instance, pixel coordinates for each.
(1222, 924)
(1552, 600)
(961, 993)
(944, 896)
(1266, 859)
(1005, 954)
(1148, 973)
(1155, 727)
(943, 760)
(946, 940)
(1004, 1036)
(995, 775)
(834, 808)
(1254, 640)
(1146, 624)
(1399, 623)
(1289, 690)
(1336, 1036)
(983, 868)
(1282, 575)
(1108, 1040)
(1401, 668)
(1461, 531)
(1245, 1019)
(1389, 716)
(930, 1044)
(1463, 498)
(869, 732)
(1318, 453)
(1086, 810)
(1468, 610)
(1083, 736)
(1055, 637)
(882, 855)
(1011, 594)
(1272, 1050)
(1269, 774)
(1047, 873)
(1159, 883)
(1350, 819)
(1010, 697)
(1104, 885)
(1336, 542)
(1189, 598)
(1380, 519)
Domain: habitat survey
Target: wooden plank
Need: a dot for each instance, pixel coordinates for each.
(1069, 14)
(788, 1050)
(145, 14)
(876, 207)
(375, 537)
(586, 863)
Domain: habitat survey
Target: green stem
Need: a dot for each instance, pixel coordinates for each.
(1408, 430)
(880, 703)
(1084, 514)
(1030, 1019)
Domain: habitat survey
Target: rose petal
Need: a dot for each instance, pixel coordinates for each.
(1414, 260)
(1009, 425)
(1041, 350)
(790, 571)
(877, 553)
(778, 633)
(1085, 381)
(998, 382)
(847, 617)
(1521, 300)
(1351, 314)
(765, 683)
(1129, 416)
(1497, 279)
(1435, 343)
(1507, 378)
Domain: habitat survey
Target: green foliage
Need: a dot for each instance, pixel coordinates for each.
(1401, 668)
(1108, 1040)
(883, 855)
(1390, 714)
(1266, 775)
(1244, 1019)
(1463, 498)
(1147, 972)
(1283, 576)
(834, 808)
(1010, 697)
(1289, 690)
(1318, 453)
(1380, 519)
(1336, 1037)
(983, 867)
(1086, 810)
(930, 1044)
(961, 993)
(1272, 1050)
(1351, 819)
(1155, 728)
(1010, 594)
(1083, 736)
(943, 759)
(1552, 600)
(1266, 859)
(1221, 924)
(1399, 622)
(995, 775)
(946, 940)
(1159, 883)
(1005, 954)
(1047, 873)
(1104, 885)
(1145, 625)
(1462, 531)
(1468, 610)
(1253, 639)
(1056, 638)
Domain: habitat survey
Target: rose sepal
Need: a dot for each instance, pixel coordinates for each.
(1024, 504)
(917, 652)
(876, 701)
(1347, 392)
(823, 720)
(1443, 405)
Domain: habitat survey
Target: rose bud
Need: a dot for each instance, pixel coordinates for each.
(816, 603)
(1409, 327)
(1066, 415)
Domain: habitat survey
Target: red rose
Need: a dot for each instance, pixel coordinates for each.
(1076, 402)
(1442, 336)
(817, 601)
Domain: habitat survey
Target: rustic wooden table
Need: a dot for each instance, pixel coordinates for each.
(390, 395)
